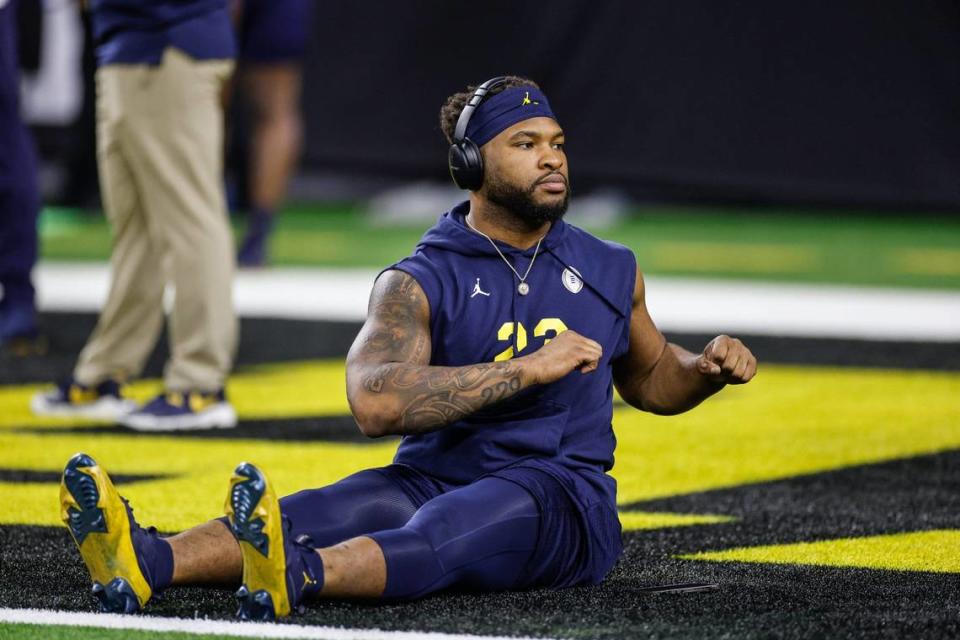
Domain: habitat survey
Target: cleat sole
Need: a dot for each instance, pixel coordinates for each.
(97, 519)
(257, 606)
(87, 517)
(117, 597)
(245, 495)
(254, 514)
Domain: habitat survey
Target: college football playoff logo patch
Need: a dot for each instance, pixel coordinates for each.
(571, 280)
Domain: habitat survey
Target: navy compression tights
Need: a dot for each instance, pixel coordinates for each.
(475, 537)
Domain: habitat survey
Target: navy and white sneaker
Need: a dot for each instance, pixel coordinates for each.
(183, 411)
(74, 400)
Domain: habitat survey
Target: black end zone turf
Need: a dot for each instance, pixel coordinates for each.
(39, 567)
(53, 477)
(320, 429)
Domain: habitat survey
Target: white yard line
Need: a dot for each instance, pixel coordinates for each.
(220, 627)
(676, 304)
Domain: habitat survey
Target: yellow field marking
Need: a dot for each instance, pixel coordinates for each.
(310, 388)
(636, 520)
(203, 468)
(293, 389)
(788, 421)
(936, 551)
(927, 261)
(744, 257)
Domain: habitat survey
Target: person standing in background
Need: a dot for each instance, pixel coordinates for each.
(162, 66)
(272, 36)
(19, 203)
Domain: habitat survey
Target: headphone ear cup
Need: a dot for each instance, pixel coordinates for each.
(458, 165)
(475, 161)
(466, 164)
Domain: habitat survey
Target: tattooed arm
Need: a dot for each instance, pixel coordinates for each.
(393, 390)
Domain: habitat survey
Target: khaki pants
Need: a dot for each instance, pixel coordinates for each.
(160, 155)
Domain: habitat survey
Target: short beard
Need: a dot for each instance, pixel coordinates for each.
(520, 202)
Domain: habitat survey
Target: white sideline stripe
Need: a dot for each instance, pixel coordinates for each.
(221, 627)
(307, 294)
(676, 304)
(804, 310)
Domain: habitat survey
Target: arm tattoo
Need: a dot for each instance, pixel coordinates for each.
(395, 348)
(436, 396)
(395, 334)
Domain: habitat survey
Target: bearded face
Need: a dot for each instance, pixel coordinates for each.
(527, 202)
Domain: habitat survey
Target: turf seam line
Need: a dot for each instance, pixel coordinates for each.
(49, 617)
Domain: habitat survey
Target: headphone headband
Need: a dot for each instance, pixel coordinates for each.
(478, 95)
(463, 158)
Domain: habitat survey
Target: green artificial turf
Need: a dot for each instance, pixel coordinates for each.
(50, 632)
(819, 246)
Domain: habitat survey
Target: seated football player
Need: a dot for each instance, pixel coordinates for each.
(493, 349)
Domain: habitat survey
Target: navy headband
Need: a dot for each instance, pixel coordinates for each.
(505, 109)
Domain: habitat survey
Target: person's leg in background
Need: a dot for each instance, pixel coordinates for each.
(176, 154)
(272, 36)
(19, 204)
(131, 320)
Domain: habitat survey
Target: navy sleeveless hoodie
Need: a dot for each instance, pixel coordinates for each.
(577, 282)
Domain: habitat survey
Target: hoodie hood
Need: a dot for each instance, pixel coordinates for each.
(569, 246)
(451, 233)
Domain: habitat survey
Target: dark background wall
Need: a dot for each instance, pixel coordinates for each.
(840, 102)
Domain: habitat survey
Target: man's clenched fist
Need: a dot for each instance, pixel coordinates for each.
(563, 354)
(727, 360)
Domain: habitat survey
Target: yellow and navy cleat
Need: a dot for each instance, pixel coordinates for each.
(254, 513)
(103, 528)
(276, 575)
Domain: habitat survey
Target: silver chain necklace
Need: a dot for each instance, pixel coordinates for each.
(523, 288)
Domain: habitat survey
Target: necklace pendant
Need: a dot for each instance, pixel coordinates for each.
(523, 288)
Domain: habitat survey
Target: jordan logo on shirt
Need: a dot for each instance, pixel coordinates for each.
(477, 290)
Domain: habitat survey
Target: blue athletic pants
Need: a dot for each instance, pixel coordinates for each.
(480, 536)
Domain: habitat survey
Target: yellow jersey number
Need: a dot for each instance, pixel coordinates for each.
(548, 328)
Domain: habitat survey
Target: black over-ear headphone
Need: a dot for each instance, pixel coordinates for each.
(464, 159)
